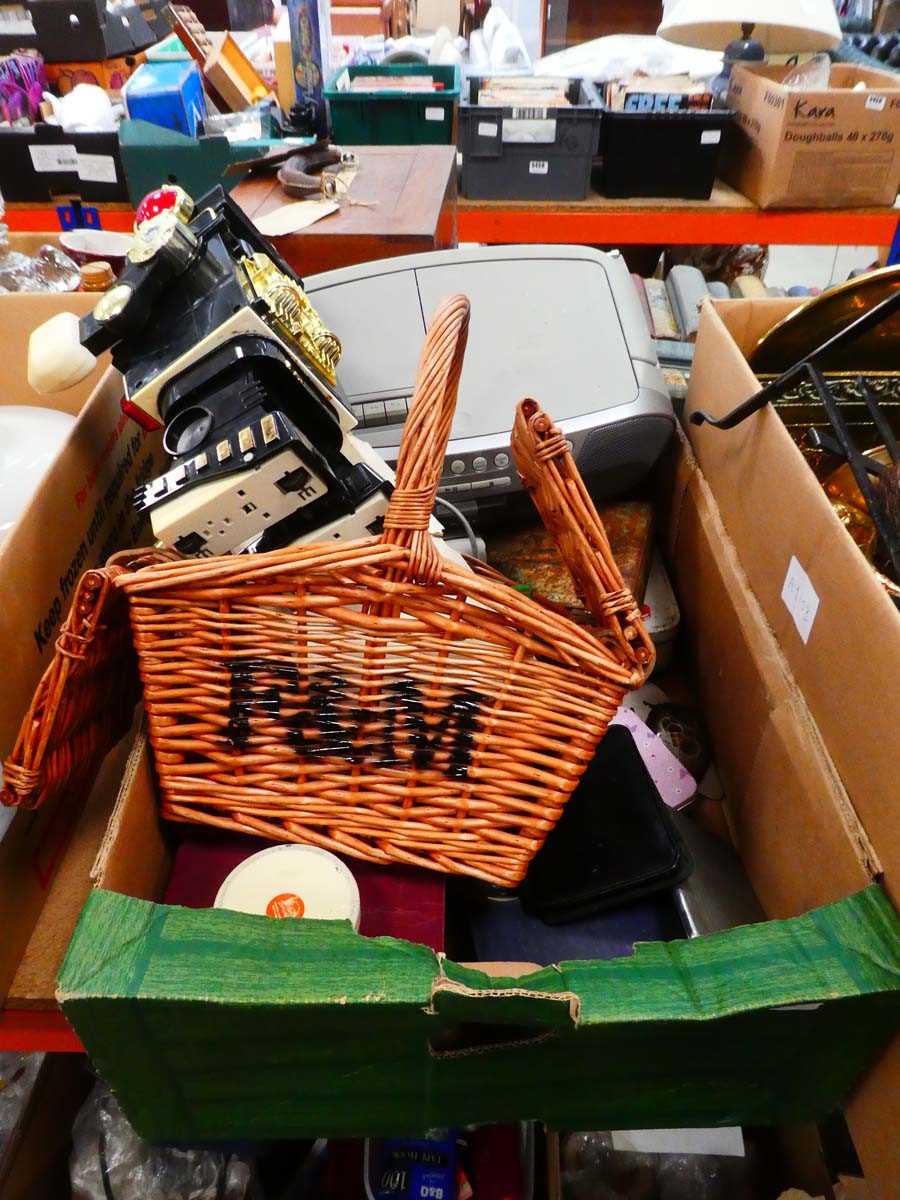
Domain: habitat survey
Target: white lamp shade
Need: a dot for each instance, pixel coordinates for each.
(783, 26)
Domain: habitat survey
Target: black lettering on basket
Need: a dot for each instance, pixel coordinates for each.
(328, 722)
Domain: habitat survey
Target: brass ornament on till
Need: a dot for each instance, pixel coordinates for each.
(841, 484)
(293, 313)
(859, 525)
(821, 317)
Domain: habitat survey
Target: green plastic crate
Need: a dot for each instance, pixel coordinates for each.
(395, 118)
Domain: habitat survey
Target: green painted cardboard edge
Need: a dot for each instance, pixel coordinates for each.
(210, 1024)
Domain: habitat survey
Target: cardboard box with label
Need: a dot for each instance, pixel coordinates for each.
(834, 624)
(836, 148)
(80, 515)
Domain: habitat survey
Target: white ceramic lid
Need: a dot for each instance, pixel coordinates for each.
(292, 881)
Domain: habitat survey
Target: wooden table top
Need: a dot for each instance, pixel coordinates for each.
(404, 189)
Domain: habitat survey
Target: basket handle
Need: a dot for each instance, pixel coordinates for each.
(552, 479)
(424, 442)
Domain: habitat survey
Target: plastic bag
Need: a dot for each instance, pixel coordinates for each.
(110, 1162)
(18, 1073)
(591, 1169)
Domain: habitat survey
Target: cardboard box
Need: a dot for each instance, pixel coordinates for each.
(81, 514)
(837, 148)
(212, 1024)
(846, 663)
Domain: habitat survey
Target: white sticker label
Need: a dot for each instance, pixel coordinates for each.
(97, 168)
(710, 137)
(53, 158)
(434, 114)
(538, 167)
(487, 128)
(800, 598)
(15, 21)
(728, 1141)
(876, 102)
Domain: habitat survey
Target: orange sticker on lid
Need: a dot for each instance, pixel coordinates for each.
(286, 904)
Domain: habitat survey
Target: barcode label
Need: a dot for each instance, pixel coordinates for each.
(538, 167)
(529, 114)
(46, 159)
(97, 168)
(876, 102)
(487, 129)
(434, 114)
(710, 137)
(15, 21)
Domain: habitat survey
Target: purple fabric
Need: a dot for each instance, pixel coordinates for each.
(23, 82)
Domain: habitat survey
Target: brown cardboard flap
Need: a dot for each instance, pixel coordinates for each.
(133, 856)
(786, 804)
(775, 511)
(82, 512)
(35, 980)
(873, 1115)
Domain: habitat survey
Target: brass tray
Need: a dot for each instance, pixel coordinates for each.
(821, 317)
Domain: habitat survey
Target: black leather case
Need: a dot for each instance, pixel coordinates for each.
(615, 843)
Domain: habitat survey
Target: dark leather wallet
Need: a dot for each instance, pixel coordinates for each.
(615, 843)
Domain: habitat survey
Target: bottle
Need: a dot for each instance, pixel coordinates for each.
(96, 277)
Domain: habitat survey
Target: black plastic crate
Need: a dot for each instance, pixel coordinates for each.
(86, 31)
(661, 154)
(553, 164)
(43, 163)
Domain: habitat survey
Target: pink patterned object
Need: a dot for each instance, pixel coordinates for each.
(675, 784)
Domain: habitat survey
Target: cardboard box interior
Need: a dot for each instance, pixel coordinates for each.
(80, 515)
(786, 804)
(775, 511)
(29, 243)
(784, 799)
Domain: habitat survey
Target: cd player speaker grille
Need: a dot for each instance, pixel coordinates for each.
(616, 457)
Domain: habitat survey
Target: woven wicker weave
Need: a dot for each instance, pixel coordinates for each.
(379, 698)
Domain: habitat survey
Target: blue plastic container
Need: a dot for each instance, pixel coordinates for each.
(169, 94)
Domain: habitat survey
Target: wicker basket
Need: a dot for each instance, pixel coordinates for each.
(377, 697)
